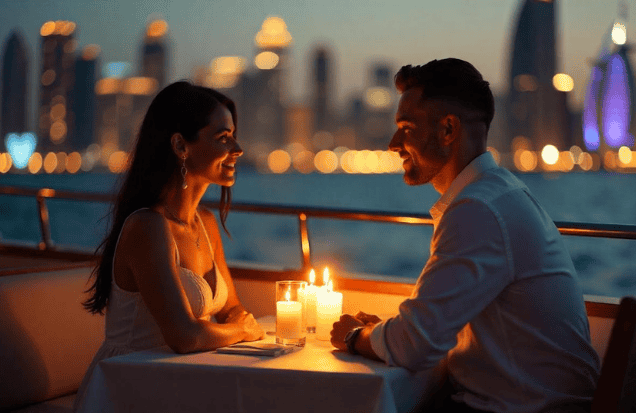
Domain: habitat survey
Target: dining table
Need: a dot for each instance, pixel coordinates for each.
(313, 378)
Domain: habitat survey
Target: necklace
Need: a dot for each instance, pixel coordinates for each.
(183, 224)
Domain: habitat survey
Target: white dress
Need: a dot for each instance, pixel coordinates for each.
(130, 326)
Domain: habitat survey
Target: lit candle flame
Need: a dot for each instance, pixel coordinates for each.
(325, 276)
(288, 295)
(330, 286)
(312, 276)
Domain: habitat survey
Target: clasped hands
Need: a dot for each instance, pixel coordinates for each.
(248, 322)
(347, 323)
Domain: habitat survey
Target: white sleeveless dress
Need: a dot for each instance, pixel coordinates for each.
(130, 326)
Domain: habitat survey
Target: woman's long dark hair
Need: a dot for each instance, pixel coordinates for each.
(179, 108)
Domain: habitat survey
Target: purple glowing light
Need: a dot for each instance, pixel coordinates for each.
(591, 135)
(616, 102)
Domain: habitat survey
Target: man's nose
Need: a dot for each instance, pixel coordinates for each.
(395, 143)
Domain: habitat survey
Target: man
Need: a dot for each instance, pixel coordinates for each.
(498, 298)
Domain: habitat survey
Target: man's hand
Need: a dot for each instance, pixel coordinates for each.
(341, 328)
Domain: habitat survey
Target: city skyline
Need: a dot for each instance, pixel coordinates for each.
(537, 112)
(358, 36)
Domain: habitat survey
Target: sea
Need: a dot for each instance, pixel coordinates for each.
(605, 267)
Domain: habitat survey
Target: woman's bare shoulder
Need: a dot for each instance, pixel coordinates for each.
(145, 224)
(209, 218)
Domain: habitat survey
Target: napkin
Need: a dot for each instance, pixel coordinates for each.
(256, 349)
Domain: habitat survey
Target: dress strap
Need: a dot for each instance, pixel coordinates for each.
(206, 237)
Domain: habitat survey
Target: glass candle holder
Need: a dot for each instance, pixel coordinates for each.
(291, 318)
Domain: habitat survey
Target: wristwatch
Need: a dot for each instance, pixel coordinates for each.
(350, 339)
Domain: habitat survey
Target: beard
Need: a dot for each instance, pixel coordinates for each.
(430, 160)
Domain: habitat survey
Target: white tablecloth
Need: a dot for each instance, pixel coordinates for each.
(316, 378)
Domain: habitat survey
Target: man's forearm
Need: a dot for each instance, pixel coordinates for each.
(363, 344)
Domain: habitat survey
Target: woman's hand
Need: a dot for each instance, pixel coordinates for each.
(368, 319)
(249, 324)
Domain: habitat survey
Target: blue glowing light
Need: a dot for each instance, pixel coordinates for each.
(117, 70)
(20, 148)
(616, 104)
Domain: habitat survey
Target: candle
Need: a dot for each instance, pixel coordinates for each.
(311, 296)
(289, 318)
(328, 311)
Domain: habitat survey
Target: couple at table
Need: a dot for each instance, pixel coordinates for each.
(497, 302)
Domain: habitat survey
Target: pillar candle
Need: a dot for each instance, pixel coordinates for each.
(289, 319)
(328, 311)
(311, 297)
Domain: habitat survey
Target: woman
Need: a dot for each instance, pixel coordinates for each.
(162, 275)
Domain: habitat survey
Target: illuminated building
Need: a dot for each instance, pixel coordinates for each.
(154, 59)
(121, 105)
(537, 111)
(607, 113)
(263, 91)
(57, 78)
(15, 72)
(322, 85)
(379, 100)
(84, 101)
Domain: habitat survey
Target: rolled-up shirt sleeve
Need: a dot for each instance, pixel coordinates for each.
(469, 266)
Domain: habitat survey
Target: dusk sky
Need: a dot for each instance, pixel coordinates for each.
(358, 32)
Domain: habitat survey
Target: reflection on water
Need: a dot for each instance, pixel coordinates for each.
(605, 267)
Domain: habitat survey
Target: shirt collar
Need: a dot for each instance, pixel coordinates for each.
(478, 165)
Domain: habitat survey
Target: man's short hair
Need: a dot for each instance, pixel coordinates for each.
(450, 80)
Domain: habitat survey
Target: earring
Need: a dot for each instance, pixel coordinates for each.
(184, 172)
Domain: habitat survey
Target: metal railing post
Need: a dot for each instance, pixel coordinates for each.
(45, 226)
(304, 241)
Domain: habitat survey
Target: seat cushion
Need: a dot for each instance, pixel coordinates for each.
(47, 339)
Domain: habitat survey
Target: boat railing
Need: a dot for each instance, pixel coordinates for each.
(302, 213)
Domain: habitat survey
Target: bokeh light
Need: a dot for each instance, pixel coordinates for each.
(624, 155)
(619, 33)
(550, 154)
(273, 34)
(5, 163)
(278, 161)
(35, 163)
(50, 162)
(118, 162)
(73, 162)
(563, 82)
(326, 161)
(157, 28)
(378, 97)
(266, 60)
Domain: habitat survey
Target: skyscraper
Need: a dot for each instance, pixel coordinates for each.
(322, 82)
(84, 101)
(264, 90)
(537, 112)
(608, 113)
(55, 115)
(154, 55)
(15, 72)
(379, 99)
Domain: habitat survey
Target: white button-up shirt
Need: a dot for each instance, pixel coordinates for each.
(499, 297)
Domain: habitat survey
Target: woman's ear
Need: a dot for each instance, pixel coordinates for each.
(178, 145)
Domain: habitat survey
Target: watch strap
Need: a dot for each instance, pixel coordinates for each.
(350, 339)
